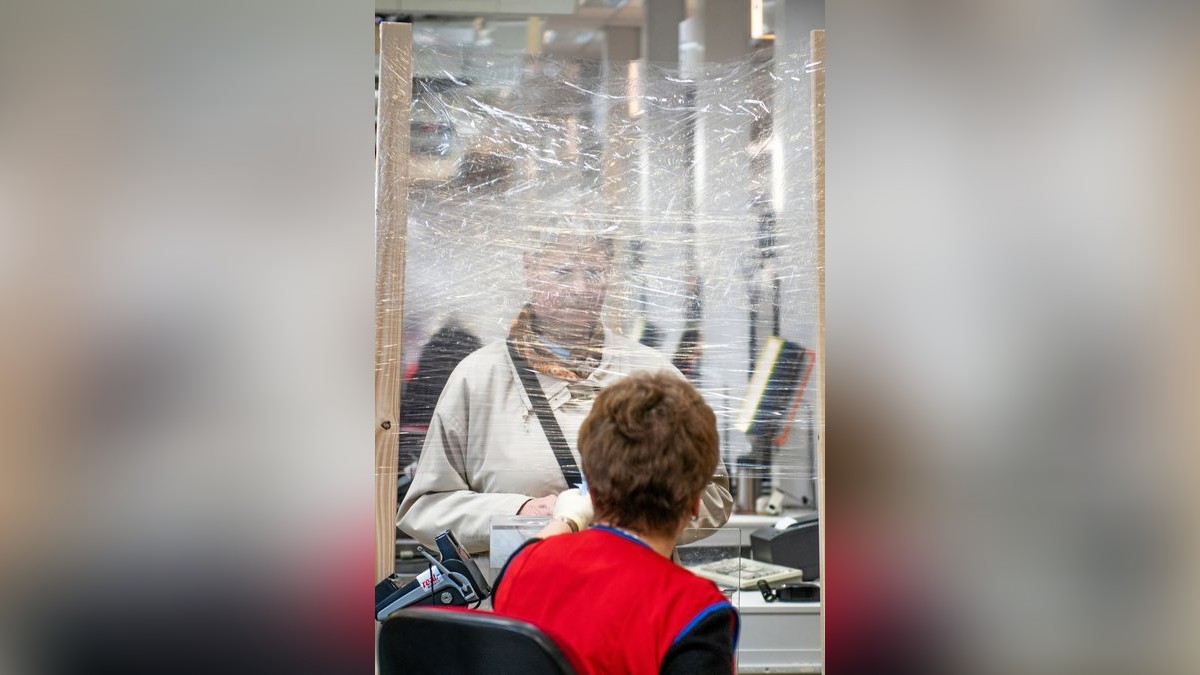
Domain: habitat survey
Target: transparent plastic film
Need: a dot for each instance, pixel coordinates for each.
(591, 220)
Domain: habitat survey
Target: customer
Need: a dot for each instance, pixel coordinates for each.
(488, 451)
(610, 596)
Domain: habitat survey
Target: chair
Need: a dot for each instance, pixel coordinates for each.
(424, 640)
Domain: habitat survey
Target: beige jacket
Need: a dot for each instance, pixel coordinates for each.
(485, 453)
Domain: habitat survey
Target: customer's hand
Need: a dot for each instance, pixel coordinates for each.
(542, 506)
(574, 507)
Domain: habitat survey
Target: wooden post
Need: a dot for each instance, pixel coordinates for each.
(391, 227)
(818, 125)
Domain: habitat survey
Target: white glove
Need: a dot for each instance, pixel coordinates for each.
(574, 507)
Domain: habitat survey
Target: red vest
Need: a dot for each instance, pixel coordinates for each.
(608, 600)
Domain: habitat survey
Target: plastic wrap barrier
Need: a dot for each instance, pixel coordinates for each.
(632, 217)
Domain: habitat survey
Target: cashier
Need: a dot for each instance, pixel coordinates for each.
(486, 453)
(610, 595)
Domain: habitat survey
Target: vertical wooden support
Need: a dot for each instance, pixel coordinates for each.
(534, 26)
(391, 227)
(817, 66)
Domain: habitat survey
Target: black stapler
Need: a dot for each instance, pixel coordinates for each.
(805, 591)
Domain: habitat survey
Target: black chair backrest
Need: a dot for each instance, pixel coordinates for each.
(424, 640)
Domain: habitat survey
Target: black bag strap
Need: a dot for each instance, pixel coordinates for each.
(541, 406)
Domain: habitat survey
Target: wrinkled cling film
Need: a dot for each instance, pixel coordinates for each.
(677, 206)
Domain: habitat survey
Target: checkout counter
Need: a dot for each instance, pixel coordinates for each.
(778, 637)
(775, 637)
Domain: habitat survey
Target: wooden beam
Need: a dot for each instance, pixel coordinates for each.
(817, 66)
(391, 228)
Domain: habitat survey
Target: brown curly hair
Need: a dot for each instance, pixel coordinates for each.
(649, 448)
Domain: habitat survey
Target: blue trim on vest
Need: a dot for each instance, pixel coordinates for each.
(737, 628)
(715, 607)
(619, 533)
